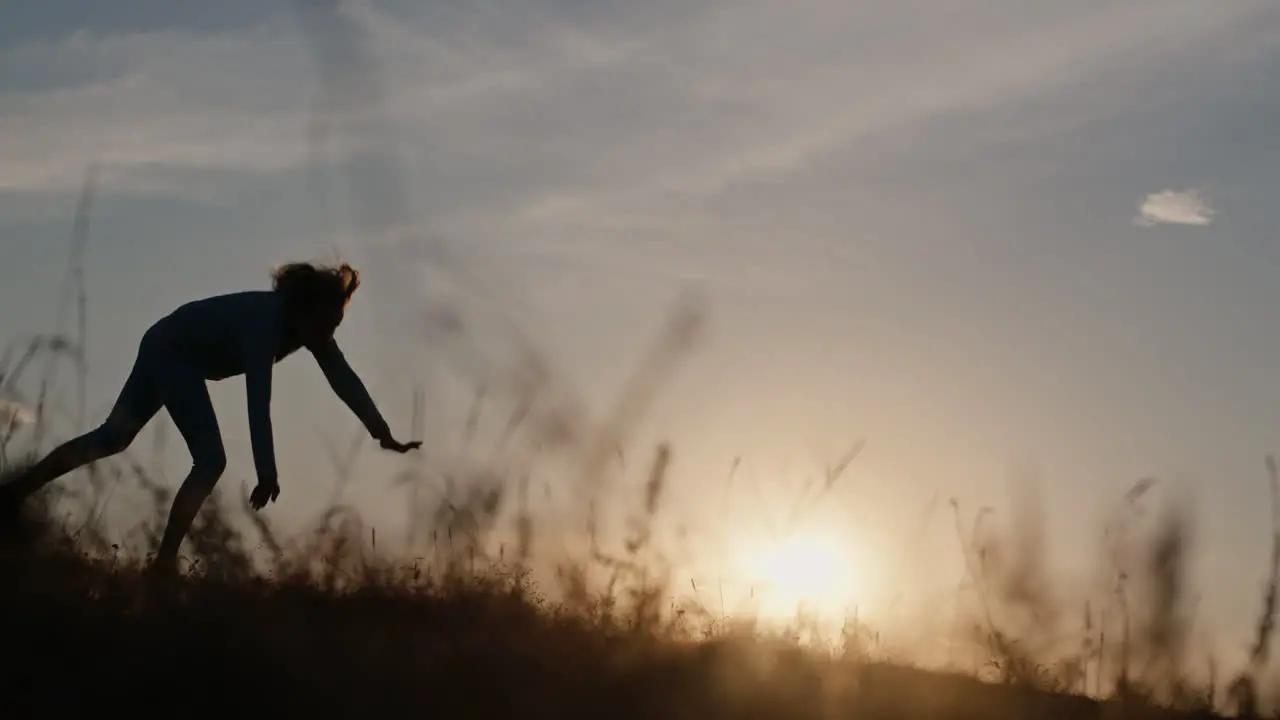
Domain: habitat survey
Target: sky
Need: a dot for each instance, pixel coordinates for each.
(996, 240)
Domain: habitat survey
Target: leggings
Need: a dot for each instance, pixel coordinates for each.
(158, 379)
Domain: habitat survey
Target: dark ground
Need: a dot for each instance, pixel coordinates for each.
(85, 636)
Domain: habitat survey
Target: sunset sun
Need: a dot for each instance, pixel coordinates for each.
(806, 573)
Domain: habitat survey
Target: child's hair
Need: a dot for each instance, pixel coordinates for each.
(309, 285)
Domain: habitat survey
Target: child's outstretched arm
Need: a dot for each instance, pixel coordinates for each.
(348, 387)
(259, 357)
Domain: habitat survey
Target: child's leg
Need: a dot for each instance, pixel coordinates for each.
(187, 399)
(138, 402)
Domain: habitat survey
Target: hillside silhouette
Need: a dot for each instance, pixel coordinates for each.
(331, 627)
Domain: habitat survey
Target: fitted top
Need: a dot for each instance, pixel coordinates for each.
(244, 334)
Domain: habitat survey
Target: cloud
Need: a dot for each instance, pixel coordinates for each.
(171, 100)
(557, 117)
(1174, 207)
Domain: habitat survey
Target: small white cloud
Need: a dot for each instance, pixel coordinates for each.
(1177, 207)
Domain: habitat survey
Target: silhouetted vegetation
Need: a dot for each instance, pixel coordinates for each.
(329, 626)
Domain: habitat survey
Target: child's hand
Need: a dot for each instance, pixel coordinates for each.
(390, 443)
(266, 491)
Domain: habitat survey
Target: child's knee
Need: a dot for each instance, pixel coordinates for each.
(113, 437)
(210, 463)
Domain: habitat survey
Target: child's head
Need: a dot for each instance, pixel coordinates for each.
(315, 297)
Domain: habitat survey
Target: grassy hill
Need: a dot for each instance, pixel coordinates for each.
(332, 631)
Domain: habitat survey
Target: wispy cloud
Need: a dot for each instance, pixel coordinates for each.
(1174, 207)
(607, 108)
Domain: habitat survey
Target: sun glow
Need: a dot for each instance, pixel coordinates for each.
(805, 574)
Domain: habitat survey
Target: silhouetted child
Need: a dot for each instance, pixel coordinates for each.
(212, 339)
